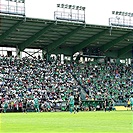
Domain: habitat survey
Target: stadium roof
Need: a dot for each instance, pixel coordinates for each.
(64, 37)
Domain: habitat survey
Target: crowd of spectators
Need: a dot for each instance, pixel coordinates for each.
(23, 79)
(51, 82)
(105, 80)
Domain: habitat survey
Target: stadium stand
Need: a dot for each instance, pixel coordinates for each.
(23, 79)
(107, 80)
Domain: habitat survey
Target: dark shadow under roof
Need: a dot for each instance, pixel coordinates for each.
(64, 37)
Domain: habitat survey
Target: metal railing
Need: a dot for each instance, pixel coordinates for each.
(58, 15)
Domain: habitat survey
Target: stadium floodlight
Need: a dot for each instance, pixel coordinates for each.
(62, 5)
(117, 12)
(125, 13)
(122, 13)
(21, 1)
(58, 5)
(77, 7)
(122, 23)
(11, 0)
(80, 8)
(83, 8)
(113, 12)
(69, 6)
(69, 15)
(18, 1)
(15, 7)
(73, 6)
(129, 14)
(66, 6)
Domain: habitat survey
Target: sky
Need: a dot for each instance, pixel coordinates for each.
(97, 11)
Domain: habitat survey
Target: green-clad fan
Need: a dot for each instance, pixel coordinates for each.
(71, 102)
(5, 106)
(36, 104)
(131, 102)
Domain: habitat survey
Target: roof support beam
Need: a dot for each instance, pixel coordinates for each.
(8, 32)
(107, 46)
(33, 38)
(125, 50)
(87, 42)
(33, 53)
(60, 41)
